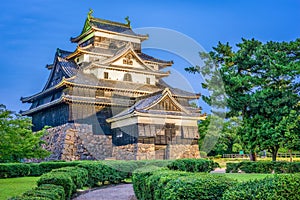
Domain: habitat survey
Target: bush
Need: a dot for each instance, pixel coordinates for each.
(193, 165)
(59, 178)
(139, 180)
(34, 169)
(283, 186)
(110, 171)
(78, 175)
(160, 184)
(43, 192)
(158, 163)
(158, 180)
(50, 191)
(45, 167)
(196, 187)
(10, 170)
(29, 198)
(263, 167)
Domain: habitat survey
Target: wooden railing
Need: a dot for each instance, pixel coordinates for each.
(279, 155)
(235, 156)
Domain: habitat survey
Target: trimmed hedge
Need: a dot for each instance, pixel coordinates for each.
(156, 183)
(139, 180)
(45, 192)
(108, 171)
(197, 187)
(193, 165)
(37, 169)
(78, 175)
(283, 186)
(61, 179)
(263, 167)
(9, 170)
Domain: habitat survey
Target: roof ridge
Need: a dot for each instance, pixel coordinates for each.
(109, 22)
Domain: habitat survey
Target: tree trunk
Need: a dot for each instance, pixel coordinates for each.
(274, 153)
(252, 156)
(291, 156)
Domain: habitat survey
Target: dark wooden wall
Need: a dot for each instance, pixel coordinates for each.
(53, 116)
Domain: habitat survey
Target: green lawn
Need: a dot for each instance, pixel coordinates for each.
(246, 177)
(15, 186)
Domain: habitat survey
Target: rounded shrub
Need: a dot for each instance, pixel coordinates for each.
(283, 186)
(193, 165)
(78, 175)
(10, 170)
(197, 187)
(139, 180)
(59, 178)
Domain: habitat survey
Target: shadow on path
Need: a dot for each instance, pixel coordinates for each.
(120, 192)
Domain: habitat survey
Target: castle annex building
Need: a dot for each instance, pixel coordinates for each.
(108, 100)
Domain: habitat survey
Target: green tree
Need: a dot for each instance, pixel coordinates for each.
(219, 142)
(261, 86)
(17, 141)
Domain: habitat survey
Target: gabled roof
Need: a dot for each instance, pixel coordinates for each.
(92, 23)
(148, 104)
(149, 58)
(68, 68)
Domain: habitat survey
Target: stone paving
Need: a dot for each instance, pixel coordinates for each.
(120, 192)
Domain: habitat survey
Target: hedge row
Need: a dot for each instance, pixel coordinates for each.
(108, 171)
(59, 184)
(263, 167)
(160, 184)
(193, 165)
(43, 192)
(9, 170)
(282, 186)
(37, 169)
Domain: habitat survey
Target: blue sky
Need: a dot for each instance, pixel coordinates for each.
(31, 30)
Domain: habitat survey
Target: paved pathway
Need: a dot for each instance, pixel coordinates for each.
(218, 170)
(119, 192)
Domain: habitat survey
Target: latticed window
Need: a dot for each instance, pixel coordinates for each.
(148, 80)
(105, 75)
(127, 77)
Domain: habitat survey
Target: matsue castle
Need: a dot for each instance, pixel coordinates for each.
(108, 100)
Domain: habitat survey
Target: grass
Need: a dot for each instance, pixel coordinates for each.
(222, 161)
(246, 177)
(16, 186)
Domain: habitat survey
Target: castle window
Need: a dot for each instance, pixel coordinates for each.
(127, 77)
(105, 75)
(148, 80)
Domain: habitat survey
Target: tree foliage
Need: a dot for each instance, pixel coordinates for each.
(261, 85)
(225, 141)
(17, 141)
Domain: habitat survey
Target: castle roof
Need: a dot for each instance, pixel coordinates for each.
(92, 24)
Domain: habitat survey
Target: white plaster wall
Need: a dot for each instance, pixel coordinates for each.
(135, 64)
(119, 75)
(118, 37)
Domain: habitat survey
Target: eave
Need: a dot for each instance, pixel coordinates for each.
(93, 29)
(49, 90)
(131, 69)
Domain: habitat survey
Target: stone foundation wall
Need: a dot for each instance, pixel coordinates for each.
(145, 151)
(124, 152)
(177, 151)
(77, 142)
